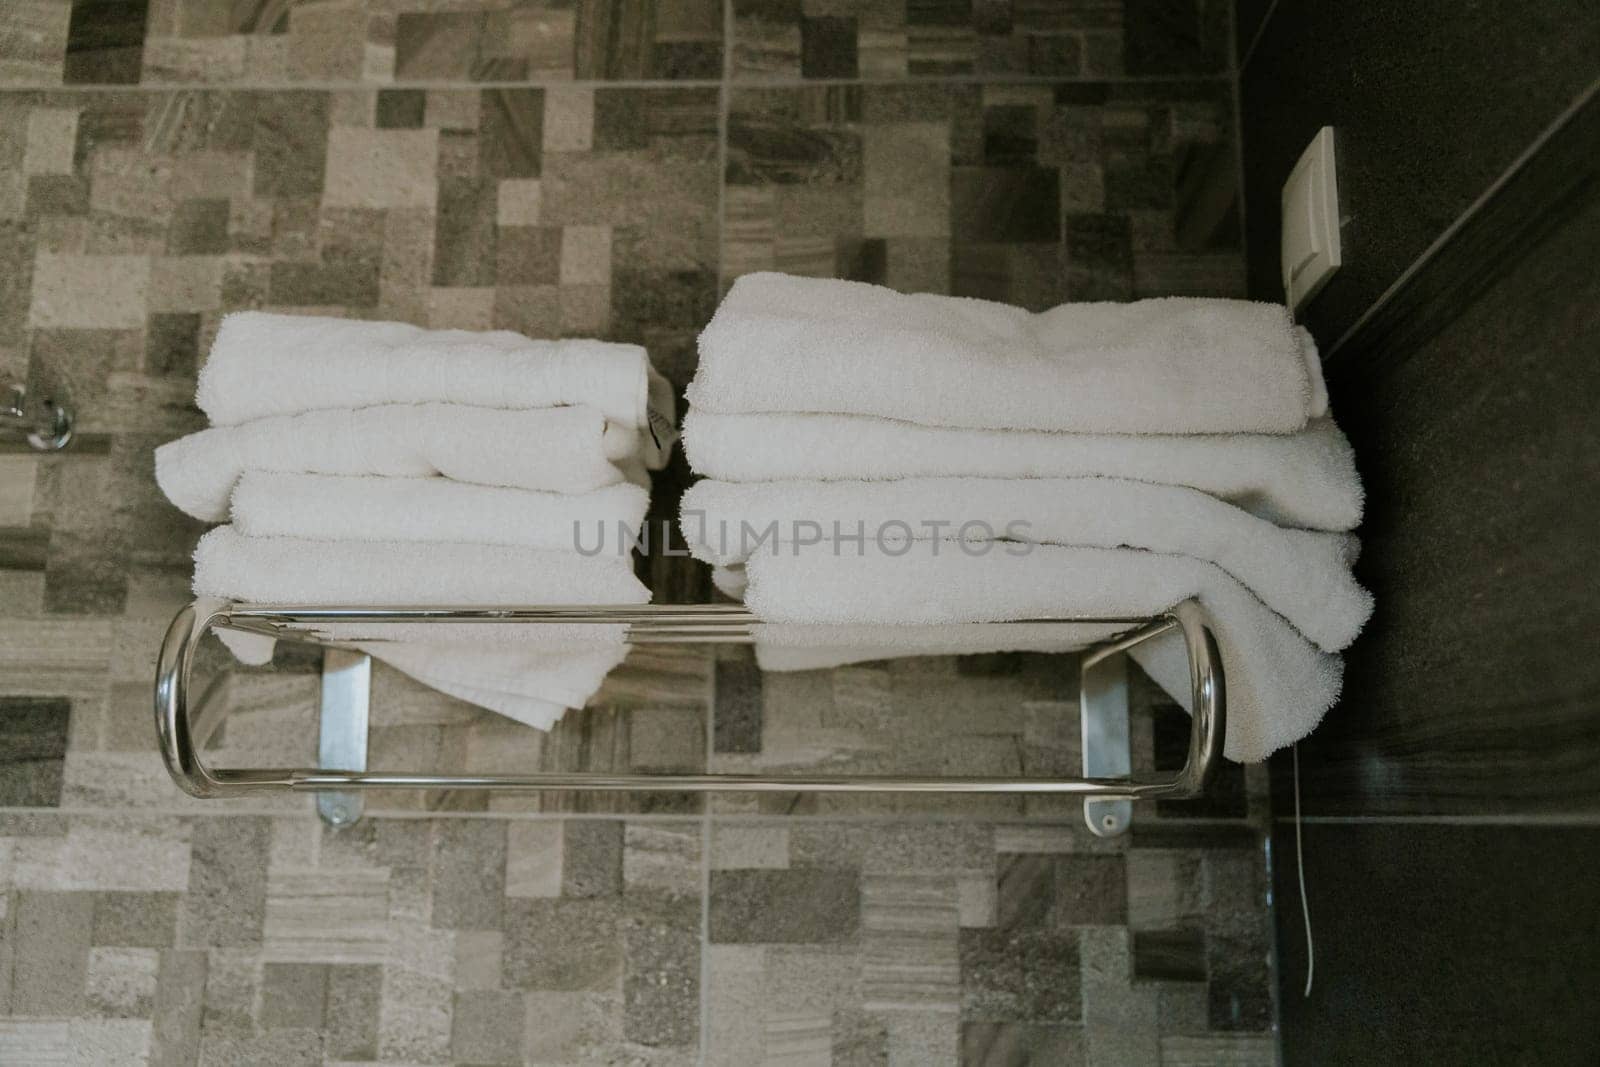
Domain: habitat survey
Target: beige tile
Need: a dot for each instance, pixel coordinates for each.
(533, 858)
(37, 1042)
(335, 916)
(327, 41)
(585, 255)
(736, 998)
(518, 202)
(907, 175)
(89, 292)
(662, 858)
(211, 174)
(187, 60)
(414, 1018)
(911, 957)
(121, 982)
(33, 40)
(975, 891)
(460, 309)
(568, 119)
(452, 109)
(17, 475)
(736, 846)
(478, 955)
(381, 168)
(52, 134)
(185, 283)
(141, 853)
(797, 1039)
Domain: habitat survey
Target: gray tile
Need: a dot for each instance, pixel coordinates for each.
(796, 906)
(33, 746)
(142, 920)
(352, 1011)
(1241, 983)
(1091, 890)
(121, 982)
(180, 998)
(511, 133)
(281, 1048)
(1020, 1045)
(661, 976)
(1020, 975)
(50, 954)
(859, 1040)
(293, 995)
(486, 1027)
(737, 723)
(227, 898)
(469, 873)
(562, 944)
(591, 857)
(465, 236)
(1169, 955)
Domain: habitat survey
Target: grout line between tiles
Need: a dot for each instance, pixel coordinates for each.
(637, 83)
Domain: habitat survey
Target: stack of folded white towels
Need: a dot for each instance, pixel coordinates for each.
(881, 468)
(380, 464)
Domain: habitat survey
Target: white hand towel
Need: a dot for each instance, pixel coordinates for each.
(567, 450)
(1171, 365)
(1303, 576)
(1278, 685)
(290, 570)
(324, 507)
(1306, 479)
(265, 364)
(521, 671)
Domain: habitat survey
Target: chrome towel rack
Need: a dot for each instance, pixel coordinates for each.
(1107, 786)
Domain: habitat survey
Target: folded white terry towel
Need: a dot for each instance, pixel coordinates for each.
(325, 507)
(567, 450)
(1304, 576)
(1278, 685)
(527, 672)
(266, 364)
(1171, 365)
(1306, 479)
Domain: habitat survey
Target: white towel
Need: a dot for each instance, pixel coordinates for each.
(526, 672)
(324, 507)
(1171, 365)
(1278, 685)
(1306, 479)
(265, 364)
(1303, 576)
(567, 450)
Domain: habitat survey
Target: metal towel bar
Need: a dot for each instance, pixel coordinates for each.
(1108, 787)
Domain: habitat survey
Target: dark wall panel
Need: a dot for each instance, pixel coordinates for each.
(1417, 964)
(1476, 687)
(1433, 100)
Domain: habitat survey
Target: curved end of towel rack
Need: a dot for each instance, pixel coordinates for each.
(52, 433)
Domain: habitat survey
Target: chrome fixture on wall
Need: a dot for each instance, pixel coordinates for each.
(48, 426)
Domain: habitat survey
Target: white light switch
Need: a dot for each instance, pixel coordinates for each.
(1311, 221)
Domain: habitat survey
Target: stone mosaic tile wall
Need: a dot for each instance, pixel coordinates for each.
(599, 169)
